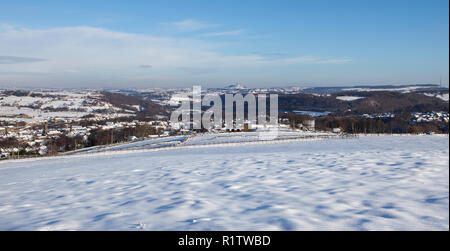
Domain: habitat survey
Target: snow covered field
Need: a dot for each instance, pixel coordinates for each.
(368, 183)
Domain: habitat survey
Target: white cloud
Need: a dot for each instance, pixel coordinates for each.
(309, 60)
(188, 25)
(145, 66)
(227, 33)
(18, 60)
(102, 55)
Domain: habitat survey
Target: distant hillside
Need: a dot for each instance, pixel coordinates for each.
(147, 108)
(368, 102)
(363, 88)
(395, 102)
(301, 101)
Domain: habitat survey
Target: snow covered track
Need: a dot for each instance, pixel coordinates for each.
(366, 183)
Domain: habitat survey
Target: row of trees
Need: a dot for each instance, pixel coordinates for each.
(14, 143)
(373, 102)
(103, 137)
(99, 137)
(9, 142)
(379, 125)
(398, 124)
(63, 143)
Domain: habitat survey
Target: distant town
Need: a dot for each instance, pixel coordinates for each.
(48, 122)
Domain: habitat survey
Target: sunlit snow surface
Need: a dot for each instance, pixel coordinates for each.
(370, 183)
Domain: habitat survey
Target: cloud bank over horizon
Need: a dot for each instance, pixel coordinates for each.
(85, 54)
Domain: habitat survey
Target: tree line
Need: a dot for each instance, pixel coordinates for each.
(63, 143)
(397, 124)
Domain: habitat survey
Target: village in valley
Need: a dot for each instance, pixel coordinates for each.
(47, 122)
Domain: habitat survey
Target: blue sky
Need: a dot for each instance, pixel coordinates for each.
(215, 43)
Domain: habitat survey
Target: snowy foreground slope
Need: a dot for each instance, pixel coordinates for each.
(370, 183)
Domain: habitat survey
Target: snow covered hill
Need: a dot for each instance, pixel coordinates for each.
(35, 106)
(369, 183)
